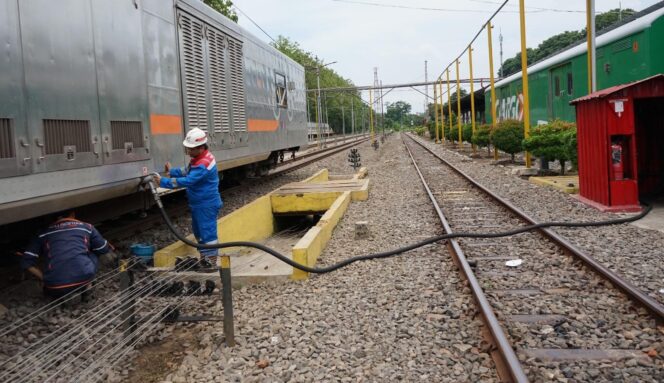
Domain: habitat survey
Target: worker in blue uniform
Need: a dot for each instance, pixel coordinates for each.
(201, 180)
(73, 250)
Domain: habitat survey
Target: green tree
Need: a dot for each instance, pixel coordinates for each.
(467, 132)
(225, 7)
(550, 142)
(397, 112)
(561, 41)
(508, 136)
(482, 137)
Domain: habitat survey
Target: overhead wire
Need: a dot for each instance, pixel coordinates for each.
(255, 23)
(456, 10)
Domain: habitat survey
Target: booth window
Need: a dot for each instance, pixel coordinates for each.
(556, 86)
(570, 84)
(280, 87)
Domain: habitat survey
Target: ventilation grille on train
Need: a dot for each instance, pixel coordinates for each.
(237, 85)
(61, 133)
(622, 45)
(194, 72)
(218, 86)
(7, 138)
(126, 131)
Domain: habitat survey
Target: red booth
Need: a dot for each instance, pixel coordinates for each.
(620, 133)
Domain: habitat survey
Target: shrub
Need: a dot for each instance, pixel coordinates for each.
(420, 130)
(467, 132)
(508, 137)
(552, 142)
(450, 134)
(482, 137)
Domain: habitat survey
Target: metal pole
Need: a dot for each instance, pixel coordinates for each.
(343, 122)
(524, 77)
(227, 299)
(449, 99)
(472, 95)
(382, 109)
(128, 307)
(459, 105)
(426, 87)
(327, 121)
(371, 128)
(318, 110)
(442, 115)
(590, 35)
(493, 88)
(435, 112)
(352, 115)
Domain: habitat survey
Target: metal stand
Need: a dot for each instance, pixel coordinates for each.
(127, 308)
(227, 300)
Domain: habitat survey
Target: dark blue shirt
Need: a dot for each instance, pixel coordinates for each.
(71, 248)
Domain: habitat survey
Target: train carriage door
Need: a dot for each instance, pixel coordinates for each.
(121, 75)
(15, 156)
(561, 90)
(60, 84)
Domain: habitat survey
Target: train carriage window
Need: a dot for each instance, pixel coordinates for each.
(556, 85)
(280, 87)
(570, 84)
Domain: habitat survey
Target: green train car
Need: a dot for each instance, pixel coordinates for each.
(628, 52)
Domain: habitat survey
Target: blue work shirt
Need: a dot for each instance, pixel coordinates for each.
(200, 178)
(71, 248)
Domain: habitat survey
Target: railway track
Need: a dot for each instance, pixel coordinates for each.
(558, 315)
(176, 205)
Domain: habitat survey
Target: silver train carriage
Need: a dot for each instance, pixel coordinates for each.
(96, 93)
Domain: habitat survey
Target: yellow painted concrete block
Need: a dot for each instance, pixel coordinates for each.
(363, 193)
(311, 246)
(252, 222)
(304, 202)
(332, 216)
(566, 184)
(306, 251)
(322, 175)
(362, 173)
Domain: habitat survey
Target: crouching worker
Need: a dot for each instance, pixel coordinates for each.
(72, 250)
(201, 180)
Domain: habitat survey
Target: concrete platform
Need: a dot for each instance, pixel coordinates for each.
(257, 222)
(250, 266)
(654, 220)
(566, 184)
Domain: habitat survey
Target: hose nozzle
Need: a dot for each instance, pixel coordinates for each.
(149, 180)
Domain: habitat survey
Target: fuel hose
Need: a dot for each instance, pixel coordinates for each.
(385, 254)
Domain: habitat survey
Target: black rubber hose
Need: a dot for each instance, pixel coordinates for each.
(385, 254)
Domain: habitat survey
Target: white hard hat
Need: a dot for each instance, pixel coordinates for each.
(195, 137)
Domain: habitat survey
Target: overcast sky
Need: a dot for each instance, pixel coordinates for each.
(398, 40)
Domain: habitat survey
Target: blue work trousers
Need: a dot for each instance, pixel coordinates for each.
(204, 225)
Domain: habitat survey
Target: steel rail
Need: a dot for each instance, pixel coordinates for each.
(507, 362)
(655, 308)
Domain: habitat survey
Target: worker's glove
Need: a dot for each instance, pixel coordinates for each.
(109, 260)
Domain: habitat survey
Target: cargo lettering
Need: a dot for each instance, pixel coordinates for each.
(510, 107)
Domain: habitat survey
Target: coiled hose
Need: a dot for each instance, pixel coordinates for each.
(385, 254)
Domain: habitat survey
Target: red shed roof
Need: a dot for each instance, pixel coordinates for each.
(608, 91)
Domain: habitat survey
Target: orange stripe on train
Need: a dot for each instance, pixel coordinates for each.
(262, 125)
(165, 124)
